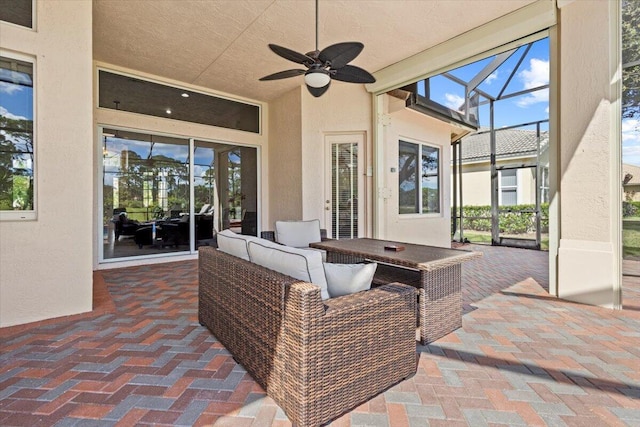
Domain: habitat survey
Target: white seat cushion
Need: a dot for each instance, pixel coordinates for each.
(298, 234)
(345, 279)
(301, 264)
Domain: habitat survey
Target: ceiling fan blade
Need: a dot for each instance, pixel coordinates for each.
(283, 75)
(317, 91)
(289, 54)
(340, 54)
(353, 74)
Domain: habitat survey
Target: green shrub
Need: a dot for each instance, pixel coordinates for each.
(629, 209)
(518, 220)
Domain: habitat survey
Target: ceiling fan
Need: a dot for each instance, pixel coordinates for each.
(322, 66)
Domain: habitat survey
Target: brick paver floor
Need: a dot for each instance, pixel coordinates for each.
(141, 358)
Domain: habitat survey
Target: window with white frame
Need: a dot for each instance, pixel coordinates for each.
(508, 187)
(17, 163)
(418, 178)
(544, 185)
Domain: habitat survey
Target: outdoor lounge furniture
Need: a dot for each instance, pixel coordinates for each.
(123, 225)
(298, 234)
(434, 271)
(174, 231)
(317, 359)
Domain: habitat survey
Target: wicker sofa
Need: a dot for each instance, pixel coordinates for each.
(317, 359)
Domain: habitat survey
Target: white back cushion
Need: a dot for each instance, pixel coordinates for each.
(345, 279)
(233, 244)
(300, 264)
(236, 244)
(298, 234)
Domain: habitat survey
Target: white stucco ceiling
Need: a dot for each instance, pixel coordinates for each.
(222, 44)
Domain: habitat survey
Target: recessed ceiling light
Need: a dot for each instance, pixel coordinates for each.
(168, 111)
(185, 95)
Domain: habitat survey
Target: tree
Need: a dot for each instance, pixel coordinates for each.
(630, 59)
(16, 147)
(204, 188)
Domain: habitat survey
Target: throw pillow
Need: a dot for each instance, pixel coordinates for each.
(345, 279)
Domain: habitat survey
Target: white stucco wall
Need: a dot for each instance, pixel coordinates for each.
(586, 256)
(45, 265)
(527, 186)
(344, 108)
(285, 158)
(411, 126)
(476, 184)
(476, 187)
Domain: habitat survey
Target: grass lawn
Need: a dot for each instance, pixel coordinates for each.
(478, 237)
(485, 238)
(631, 237)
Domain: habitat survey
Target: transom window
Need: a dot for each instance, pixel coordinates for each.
(135, 95)
(419, 184)
(19, 12)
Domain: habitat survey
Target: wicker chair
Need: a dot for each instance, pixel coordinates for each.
(316, 359)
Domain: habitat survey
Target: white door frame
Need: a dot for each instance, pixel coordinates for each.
(358, 138)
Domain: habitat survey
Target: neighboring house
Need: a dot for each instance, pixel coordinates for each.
(48, 253)
(516, 161)
(632, 186)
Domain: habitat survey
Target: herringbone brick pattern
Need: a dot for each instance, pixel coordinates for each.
(499, 268)
(521, 358)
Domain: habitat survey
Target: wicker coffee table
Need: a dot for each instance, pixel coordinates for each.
(434, 271)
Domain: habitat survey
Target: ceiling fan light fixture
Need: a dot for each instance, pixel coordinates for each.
(323, 65)
(317, 78)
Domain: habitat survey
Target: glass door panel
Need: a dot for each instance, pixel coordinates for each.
(145, 194)
(517, 213)
(205, 189)
(237, 188)
(342, 204)
(523, 188)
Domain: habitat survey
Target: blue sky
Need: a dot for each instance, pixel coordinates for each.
(631, 141)
(203, 157)
(16, 101)
(532, 72)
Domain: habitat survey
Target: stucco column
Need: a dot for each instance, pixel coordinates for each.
(45, 264)
(589, 249)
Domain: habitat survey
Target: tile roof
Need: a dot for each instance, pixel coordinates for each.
(509, 143)
(634, 171)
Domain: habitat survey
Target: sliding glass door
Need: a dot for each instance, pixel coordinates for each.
(150, 209)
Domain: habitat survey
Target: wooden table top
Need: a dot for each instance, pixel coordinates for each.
(416, 256)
